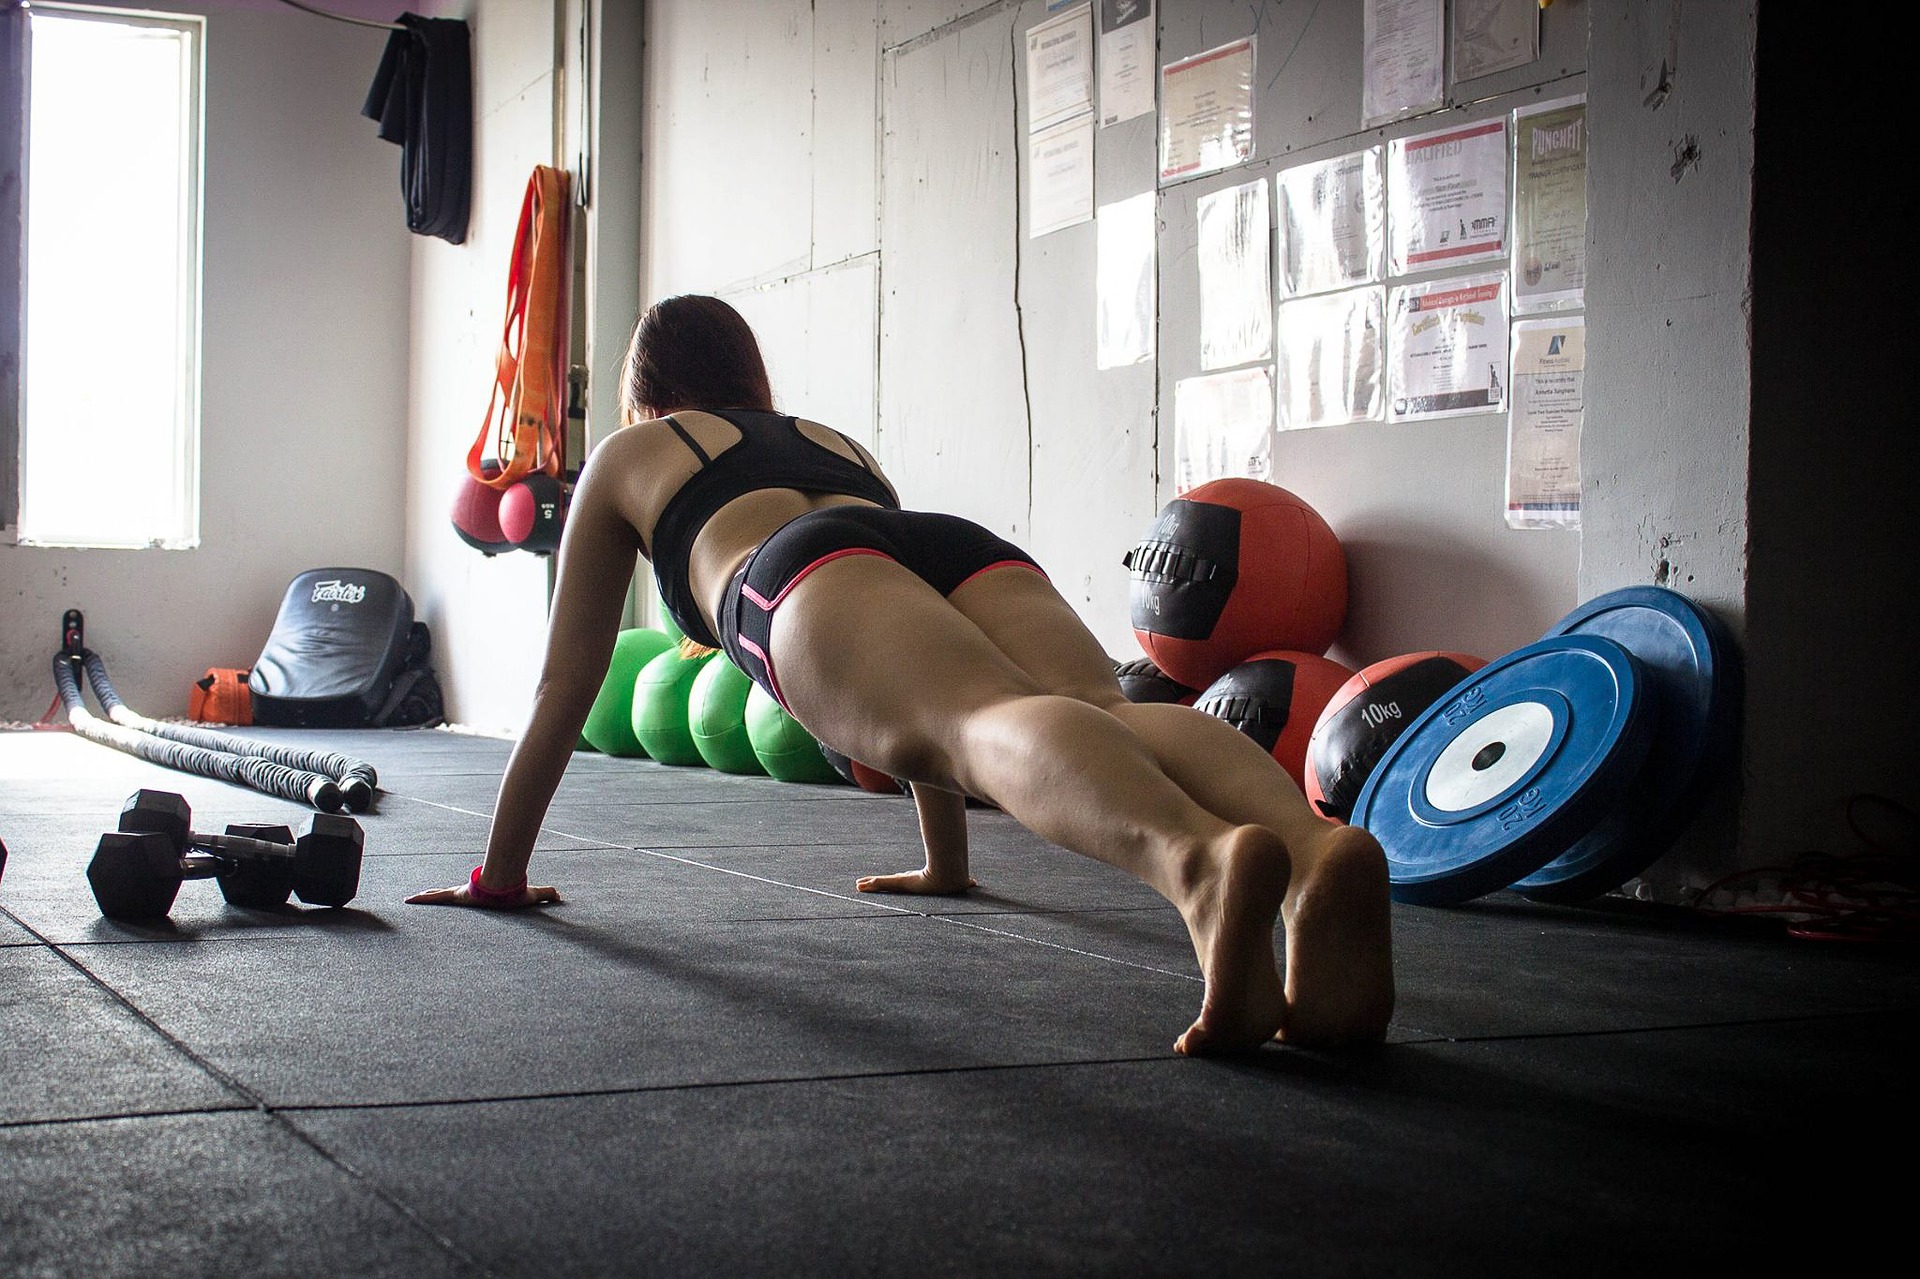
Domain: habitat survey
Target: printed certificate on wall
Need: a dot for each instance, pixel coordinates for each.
(1126, 59)
(1449, 348)
(1447, 197)
(1494, 35)
(1331, 357)
(1222, 427)
(1060, 68)
(1060, 160)
(1236, 289)
(1543, 434)
(1206, 111)
(1333, 223)
(1124, 278)
(1405, 59)
(1550, 206)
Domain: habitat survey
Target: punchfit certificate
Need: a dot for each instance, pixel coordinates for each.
(1550, 206)
(1449, 344)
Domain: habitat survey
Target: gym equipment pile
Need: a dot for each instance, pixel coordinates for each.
(1567, 767)
(325, 780)
(137, 869)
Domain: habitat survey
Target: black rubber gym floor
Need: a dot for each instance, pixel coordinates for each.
(716, 1058)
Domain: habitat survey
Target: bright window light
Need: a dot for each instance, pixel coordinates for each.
(109, 438)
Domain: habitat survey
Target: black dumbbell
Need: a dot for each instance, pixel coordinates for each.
(137, 870)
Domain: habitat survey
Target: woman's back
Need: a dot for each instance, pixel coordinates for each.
(706, 487)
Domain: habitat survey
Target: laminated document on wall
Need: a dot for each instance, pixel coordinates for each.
(1060, 68)
(1236, 291)
(1126, 60)
(1404, 54)
(1332, 358)
(1494, 35)
(1124, 283)
(1447, 197)
(1333, 223)
(1543, 433)
(1550, 206)
(1206, 111)
(1448, 345)
(1060, 165)
(1222, 427)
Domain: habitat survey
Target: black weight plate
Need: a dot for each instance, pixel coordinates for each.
(1509, 770)
(1689, 662)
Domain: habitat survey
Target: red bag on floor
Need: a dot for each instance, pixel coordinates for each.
(221, 696)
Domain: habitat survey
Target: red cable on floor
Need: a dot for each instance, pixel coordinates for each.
(1873, 896)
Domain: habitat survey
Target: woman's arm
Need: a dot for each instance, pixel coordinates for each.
(943, 829)
(597, 554)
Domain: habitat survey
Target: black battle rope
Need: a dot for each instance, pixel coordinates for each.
(300, 786)
(355, 777)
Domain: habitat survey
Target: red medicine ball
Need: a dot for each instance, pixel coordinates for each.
(1232, 568)
(1275, 698)
(1142, 681)
(531, 513)
(866, 778)
(1367, 715)
(476, 517)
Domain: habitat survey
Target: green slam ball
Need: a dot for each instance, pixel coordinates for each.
(660, 706)
(785, 749)
(667, 623)
(609, 726)
(717, 716)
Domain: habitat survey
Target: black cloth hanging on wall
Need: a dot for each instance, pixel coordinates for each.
(422, 95)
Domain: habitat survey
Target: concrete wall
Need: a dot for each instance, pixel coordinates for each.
(488, 614)
(304, 420)
(892, 237)
(1834, 526)
(966, 347)
(851, 174)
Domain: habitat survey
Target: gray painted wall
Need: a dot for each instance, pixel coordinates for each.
(849, 173)
(987, 400)
(303, 431)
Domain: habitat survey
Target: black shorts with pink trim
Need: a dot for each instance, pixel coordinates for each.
(944, 551)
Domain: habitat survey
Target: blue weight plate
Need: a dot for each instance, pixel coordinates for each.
(1510, 770)
(1690, 664)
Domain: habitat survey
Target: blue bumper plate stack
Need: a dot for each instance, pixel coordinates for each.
(1516, 766)
(1689, 664)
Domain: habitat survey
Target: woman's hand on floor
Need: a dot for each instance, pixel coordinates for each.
(922, 883)
(459, 896)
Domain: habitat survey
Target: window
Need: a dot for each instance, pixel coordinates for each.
(110, 372)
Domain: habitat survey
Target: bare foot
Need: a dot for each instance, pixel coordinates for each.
(1231, 920)
(920, 883)
(1339, 943)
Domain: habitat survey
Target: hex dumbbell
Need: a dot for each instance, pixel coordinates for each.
(137, 870)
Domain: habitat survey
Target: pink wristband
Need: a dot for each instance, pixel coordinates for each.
(493, 896)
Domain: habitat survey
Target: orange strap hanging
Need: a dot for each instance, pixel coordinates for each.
(525, 426)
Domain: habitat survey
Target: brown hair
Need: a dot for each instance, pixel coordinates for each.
(693, 351)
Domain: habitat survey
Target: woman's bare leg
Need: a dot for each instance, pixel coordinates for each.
(879, 665)
(1339, 948)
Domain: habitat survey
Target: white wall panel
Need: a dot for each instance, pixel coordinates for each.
(846, 134)
(953, 412)
(817, 333)
(488, 614)
(729, 144)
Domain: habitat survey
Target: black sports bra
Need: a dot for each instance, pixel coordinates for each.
(772, 453)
